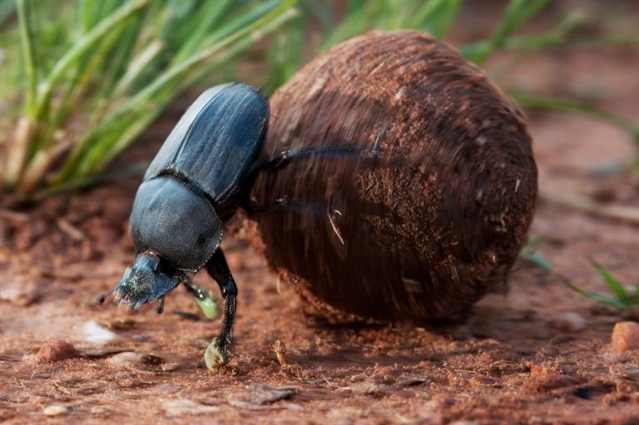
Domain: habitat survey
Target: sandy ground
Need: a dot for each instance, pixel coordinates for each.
(540, 354)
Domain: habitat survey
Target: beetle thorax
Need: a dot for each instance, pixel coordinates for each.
(176, 222)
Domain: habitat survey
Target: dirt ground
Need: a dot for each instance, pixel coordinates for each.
(521, 358)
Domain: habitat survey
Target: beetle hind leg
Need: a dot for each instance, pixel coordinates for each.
(217, 267)
(255, 208)
(287, 155)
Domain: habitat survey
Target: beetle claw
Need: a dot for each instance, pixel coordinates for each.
(102, 298)
(160, 308)
(215, 355)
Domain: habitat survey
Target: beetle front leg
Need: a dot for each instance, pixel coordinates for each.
(217, 268)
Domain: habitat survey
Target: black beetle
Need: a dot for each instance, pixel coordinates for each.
(197, 181)
(203, 173)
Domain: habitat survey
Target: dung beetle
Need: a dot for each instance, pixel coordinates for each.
(201, 175)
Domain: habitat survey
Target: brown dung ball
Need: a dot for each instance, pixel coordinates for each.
(429, 209)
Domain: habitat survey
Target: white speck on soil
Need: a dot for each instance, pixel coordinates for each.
(569, 322)
(180, 407)
(93, 333)
(55, 410)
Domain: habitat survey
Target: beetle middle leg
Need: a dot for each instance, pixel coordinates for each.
(217, 267)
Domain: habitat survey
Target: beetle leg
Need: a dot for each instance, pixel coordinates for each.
(198, 292)
(255, 208)
(160, 308)
(215, 354)
(102, 298)
(287, 155)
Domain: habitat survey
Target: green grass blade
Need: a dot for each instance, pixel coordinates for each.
(137, 66)
(517, 14)
(244, 21)
(613, 284)
(119, 49)
(18, 152)
(536, 259)
(593, 295)
(622, 300)
(359, 17)
(438, 16)
(134, 170)
(28, 56)
(209, 18)
(285, 54)
(7, 9)
(90, 154)
(262, 26)
(567, 105)
(81, 47)
(355, 7)
(556, 37)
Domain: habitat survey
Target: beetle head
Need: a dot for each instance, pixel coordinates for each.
(149, 279)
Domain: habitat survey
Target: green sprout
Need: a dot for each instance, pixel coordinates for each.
(623, 299)
(529, 253)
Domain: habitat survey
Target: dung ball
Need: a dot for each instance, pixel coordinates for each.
(411, 184)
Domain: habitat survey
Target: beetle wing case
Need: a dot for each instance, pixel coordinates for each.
(216, 141)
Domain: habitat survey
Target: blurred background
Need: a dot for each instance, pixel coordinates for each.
(81, 80)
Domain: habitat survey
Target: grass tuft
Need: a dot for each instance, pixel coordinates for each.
(624, 299)
(98, 73)
(82, 79)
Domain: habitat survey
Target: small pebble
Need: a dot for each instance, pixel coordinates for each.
(57, 350)
(368, 388)
(182, 407)
(625, 336)
(56, 410)
(20, 293)
(126, 359)
(92, 332)
(261, 394)
(133, 360)
(570, 322)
